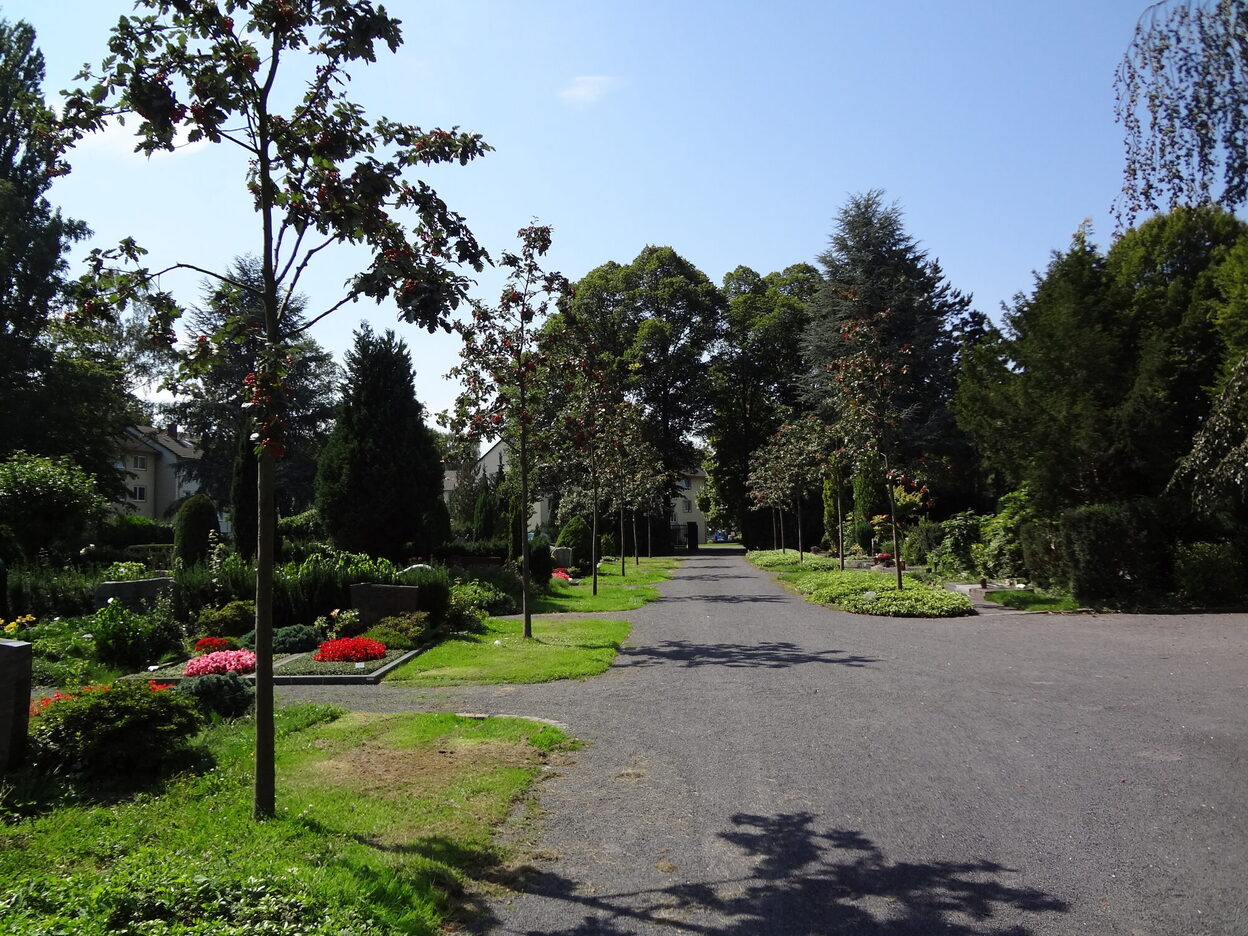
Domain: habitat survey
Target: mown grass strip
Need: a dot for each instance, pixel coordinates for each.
(1032, 601)
(615, 592)
(383, 821)
(560, 649)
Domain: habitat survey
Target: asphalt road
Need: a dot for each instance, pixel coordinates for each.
(761, 765)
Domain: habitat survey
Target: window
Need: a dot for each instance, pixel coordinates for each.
(686, 505)
(138, 493)
(684, 483)
(140, 462)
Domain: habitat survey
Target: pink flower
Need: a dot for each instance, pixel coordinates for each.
(223, 661)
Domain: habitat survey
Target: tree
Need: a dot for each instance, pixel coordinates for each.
(1182, 97)
(211, 401)
(47, 503)
(881, 347)
(319, 175)
(754, 378)
(60, 397)
(380, 476)
(790, 466)
(497, 365)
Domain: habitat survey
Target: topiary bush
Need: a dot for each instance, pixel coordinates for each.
(577, 536)
(234, 620)
(297, 638)
(226, 695)
(195, 522)
(133, 639)
(607, 546)
(1208, 574)
(112, 734)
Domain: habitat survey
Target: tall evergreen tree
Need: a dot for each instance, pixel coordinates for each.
(380, 472)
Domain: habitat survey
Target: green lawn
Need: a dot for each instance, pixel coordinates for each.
(383, 820)
(615, 592)
(560, 649)
(1032, 601)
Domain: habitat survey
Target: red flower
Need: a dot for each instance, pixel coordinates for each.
(349, 650)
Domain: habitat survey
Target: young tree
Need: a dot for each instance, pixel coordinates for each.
(790, 466)
(380, 478)
(498, 362)
(1182, 91)
(319, 174)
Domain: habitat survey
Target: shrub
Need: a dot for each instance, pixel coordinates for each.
(196, 520)
(1000, 555)
(125, 572)
(540, 562)
(1209, 573)
(131, 639)
(401, 632)
(607, 546)
(304, 526)
(1118, 553)
(47, 503)
(953, 556)
(122, 530)
(129, 730)
(297, 638)
(350, 650)
(234, 620)
(339, 623)
(152, 555)
(863, 533)
(577, 536)
(1043, 559)
(45, 591)
(227, 695)
(213, 644)
(223, 661)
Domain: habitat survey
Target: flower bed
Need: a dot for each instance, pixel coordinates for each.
(215, 644)
(223, 661)
(307, 666)
(350, 650)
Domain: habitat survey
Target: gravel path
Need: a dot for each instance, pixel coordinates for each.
(760, 765)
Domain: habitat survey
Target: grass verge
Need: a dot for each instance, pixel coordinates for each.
(615, 592)
(1032, 601)
(384, 824)
(560, 649)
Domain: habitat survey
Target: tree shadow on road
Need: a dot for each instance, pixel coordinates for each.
(806, 883)
(768, 654)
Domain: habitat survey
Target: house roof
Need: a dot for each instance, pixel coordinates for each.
(181, 447)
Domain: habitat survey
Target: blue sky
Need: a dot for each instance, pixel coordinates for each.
(732, 131)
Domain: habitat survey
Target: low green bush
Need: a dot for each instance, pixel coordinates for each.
(47, 591)
(577, 536)
(1209, 574)
(133, 639)
(540, 562)
(297, 638)
(152, 555)
(400, 632)
(303, 526)
(607, 545)
(233, 620)
(876, 593)
(226, 695)
(111, 735)
(122, 530)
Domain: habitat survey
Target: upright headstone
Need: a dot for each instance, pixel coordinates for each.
(16, 661)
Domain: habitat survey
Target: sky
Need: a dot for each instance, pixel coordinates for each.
(732, 131)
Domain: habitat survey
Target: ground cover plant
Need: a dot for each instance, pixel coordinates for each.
(1032, 601)
(559, 649)
(615, 592)
(863, 592)
(381, 821)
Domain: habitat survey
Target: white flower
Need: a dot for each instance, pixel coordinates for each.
(498, 643)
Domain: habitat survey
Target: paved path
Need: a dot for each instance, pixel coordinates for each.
(760, 765)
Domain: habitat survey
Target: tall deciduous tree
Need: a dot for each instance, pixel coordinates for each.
(1183, 101)
(498, 364)
(754, 378)
(319, 174)
(380, 479)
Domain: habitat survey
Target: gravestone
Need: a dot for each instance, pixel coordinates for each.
(16, 661)
(375, 602)
(561, 556)
(137, 595)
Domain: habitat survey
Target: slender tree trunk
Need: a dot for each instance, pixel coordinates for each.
(636, 547)
(593, 545)
(799, 529)
(840, 527)
(649, 536)
(525, 576)
(784, 540)
(773, 529)
(892, 516)
(622, 571)
(264, 803)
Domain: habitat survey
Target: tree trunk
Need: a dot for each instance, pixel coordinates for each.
(892, 516)
(649, 536)
(593, 541)
(636, 547)
(773, 529)
(622, 571)
(799, 530)
(264, 803)
(784, 542)
(840, 527)
(524, 526)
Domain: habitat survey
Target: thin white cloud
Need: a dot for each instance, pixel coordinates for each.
(117, 140)
(589, 89)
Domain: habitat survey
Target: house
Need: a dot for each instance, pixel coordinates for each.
(155, 462)
(685, 508)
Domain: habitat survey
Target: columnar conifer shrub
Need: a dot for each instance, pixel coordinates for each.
(192, 529)
(577, 535)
